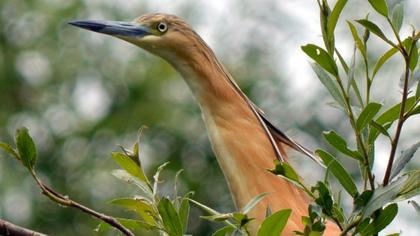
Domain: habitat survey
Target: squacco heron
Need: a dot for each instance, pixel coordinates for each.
(244, 141)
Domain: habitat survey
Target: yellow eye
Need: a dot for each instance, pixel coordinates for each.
(162, 27)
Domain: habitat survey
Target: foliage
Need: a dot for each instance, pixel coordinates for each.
(373, 204)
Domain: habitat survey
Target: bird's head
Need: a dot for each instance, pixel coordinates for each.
(167, 36)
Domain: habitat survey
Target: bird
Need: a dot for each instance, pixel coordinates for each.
(244, 141)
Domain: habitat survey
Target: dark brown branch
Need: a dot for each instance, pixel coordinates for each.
(9, 229)
(66, 201)
(402, 117)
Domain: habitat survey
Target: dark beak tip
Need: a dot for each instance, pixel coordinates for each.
(87, 24)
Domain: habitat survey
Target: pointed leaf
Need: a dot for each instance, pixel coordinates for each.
(26, 147)
(405, 157)
(372, 27)
(8, 149)
(321, 57)
(340, 144)
(392, 114)
(401, 189)
(388, 117)
(384, 218)
(333, 18)
(329, 84)
(397, 16)
(143, 208)
(380, 128)
(126, 177)
(225, 231)
(274, 224)
(204, 207)
(383, 59)
(339, 172)
(156, 176)
(367, 115)
(380, 6)
(360, 45)
(128, 223)
(184, 212)
(251, 204)
(170, 217)
(129, 165)
(284, 169)
(414, 57)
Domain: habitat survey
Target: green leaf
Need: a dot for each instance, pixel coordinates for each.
(274, 224)
(141, 206)
(383, 59)
(325, 13)
(204, 207)
(343, 62)
(393, 113)
(156, 176)
(367, 115)
(389, 116)
(26, 147)
(339, 172)
(170, 217)
(340, 144)
(363, 199)
(397, 16)
(384, 218)
(360, 45)
(414, 58)
(324, 200)
(129, 165)
(329, 84)
(241, 219)
(8, 149)
(184, 212)
(251, 204)
(321, 57)
(126, 177)
(380, 6)
(225, 231)
(402, 161)
(380, 128)
(372, 27)
(401, 189)
(333, 18)
(128, 223)
(218, 217)
(285, 170)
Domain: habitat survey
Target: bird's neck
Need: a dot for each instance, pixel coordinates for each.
(242, 147)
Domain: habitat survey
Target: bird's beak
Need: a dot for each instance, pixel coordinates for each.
(114, 28)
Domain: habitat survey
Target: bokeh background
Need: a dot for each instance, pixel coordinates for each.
(81, 94)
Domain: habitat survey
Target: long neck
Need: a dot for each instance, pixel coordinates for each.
(242, 147)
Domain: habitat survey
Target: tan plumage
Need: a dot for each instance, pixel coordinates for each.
(244, 141)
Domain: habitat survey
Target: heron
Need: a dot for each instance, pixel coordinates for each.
(244, 141)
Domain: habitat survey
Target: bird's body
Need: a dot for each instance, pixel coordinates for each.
(244, 142)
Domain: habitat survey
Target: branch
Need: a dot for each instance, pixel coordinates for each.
(402, 117)
(66, 201)
(9, 229)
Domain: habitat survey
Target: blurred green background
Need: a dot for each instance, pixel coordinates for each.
(81, 94)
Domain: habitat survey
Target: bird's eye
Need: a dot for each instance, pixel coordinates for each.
(162, 27)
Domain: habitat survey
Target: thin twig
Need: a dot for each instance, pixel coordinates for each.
(10, 229)
(66, 201)
(402, 117)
